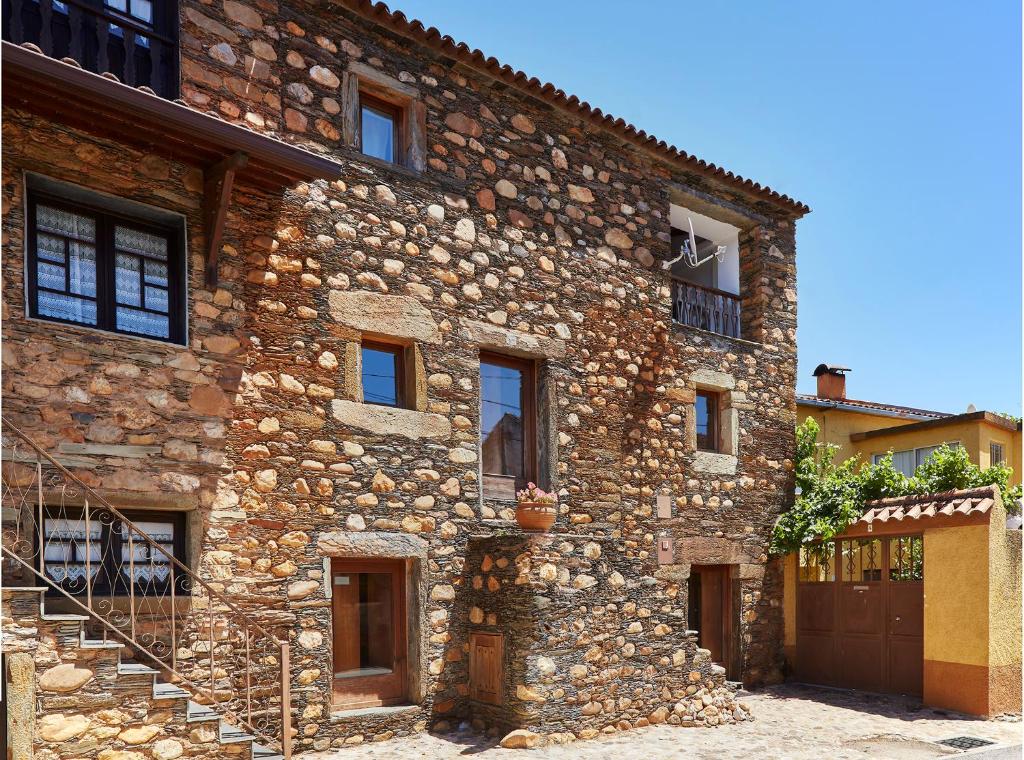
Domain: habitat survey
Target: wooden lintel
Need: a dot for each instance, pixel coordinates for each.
(218, 181)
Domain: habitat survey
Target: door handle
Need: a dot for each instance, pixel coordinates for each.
(898, 618)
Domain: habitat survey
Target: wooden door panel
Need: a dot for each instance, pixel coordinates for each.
(906, 608)
(486, 655)
(816, 658)
(712, 612)
(860, 608)
(906, 666)
(816, 607)
(860, 660)
(345, 607)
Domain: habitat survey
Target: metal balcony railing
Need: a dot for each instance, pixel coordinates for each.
(706, 308)
(135, 40)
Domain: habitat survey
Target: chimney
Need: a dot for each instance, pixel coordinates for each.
(831, 381)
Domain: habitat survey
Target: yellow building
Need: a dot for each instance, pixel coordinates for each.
(871, 429)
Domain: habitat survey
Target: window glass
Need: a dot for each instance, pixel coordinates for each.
(816, 563)
(365, 599)
(996, 454)
(904, 462)
(377, 129)
(65, 265)
(381, 374)
(861, 560)
(141, 286)
(706, 408)
(504, 447)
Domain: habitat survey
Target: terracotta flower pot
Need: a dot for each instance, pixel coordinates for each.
(534, 516)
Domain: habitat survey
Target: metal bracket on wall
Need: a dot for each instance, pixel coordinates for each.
(218, 181)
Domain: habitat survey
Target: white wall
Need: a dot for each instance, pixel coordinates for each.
(722, 234)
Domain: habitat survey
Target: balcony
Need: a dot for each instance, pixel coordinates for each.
(135, 40)
(705, 308)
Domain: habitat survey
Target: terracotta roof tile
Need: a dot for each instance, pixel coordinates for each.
(397, 22)
(972, 501)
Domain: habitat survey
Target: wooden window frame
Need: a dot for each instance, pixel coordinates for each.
(111, 543)
(714, 423)
(992, 446)
(386, 108)
(403, 393)
(106, 288)
(531, 447)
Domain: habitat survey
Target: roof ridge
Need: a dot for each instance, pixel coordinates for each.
(963, 493)
(432, 37)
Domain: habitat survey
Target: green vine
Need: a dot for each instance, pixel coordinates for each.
(830, 495)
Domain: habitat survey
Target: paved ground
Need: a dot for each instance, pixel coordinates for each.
(792, 723)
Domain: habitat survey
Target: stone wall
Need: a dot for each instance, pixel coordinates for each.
(527, 230)
(590, 640)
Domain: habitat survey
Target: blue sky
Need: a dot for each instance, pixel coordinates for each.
(899, 124)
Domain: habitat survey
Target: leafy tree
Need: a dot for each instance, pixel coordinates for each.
(830, 495)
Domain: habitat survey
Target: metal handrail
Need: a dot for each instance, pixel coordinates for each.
(219, 610)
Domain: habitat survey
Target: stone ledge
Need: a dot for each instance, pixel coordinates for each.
(513, 342)
(386, 420)
(372, 712)
(384, 316)
(713, 463)
(371, 544)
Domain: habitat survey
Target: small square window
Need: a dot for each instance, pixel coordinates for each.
(996, 455)
(383, 374)
(379, 128)
(706, 408)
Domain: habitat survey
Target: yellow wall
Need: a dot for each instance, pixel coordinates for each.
(837, 425)
(956, 573)
(974, 435)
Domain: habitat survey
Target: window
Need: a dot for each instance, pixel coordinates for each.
(370, 637)
(379, 128)
(383, 374)
(91, 267)
(507, 424)
(906, 558)
(706, 409)
(816, 563)
(861, 560)
(103, 552)
(996, 455)
(909, 460)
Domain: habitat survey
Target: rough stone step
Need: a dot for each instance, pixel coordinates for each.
(259, 752)
(63, 617)
(169, 691)
(197, 713)
(135, 669)
(230, 735)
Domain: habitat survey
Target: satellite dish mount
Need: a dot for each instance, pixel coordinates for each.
(688, 253)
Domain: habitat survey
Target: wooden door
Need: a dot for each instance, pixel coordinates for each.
(369, 632)
(486, 655)
(711, 610)
(905, 615)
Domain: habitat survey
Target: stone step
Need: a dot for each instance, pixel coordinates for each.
(169, 691)
(62, 617)
(259, 752)
(197, 713)
(135, 669)
(230, 735)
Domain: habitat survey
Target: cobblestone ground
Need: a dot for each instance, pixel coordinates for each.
(792, 723)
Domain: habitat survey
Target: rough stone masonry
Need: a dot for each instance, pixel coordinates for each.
(514, 226)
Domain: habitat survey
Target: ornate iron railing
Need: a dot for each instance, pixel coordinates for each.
(134, 41)
(706, 308)
(56, 533)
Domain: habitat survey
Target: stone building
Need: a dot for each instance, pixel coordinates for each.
(296, 295)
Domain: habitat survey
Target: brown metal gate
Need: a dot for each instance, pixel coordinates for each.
(860, 620)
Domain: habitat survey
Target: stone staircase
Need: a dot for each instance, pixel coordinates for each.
(95, 679)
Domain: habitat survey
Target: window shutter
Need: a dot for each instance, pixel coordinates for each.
(486, 652)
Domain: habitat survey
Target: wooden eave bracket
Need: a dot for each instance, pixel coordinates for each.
(218, 181)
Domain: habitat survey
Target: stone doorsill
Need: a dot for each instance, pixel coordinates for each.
(364, 712)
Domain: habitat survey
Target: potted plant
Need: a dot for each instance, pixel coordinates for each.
(535, 508)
